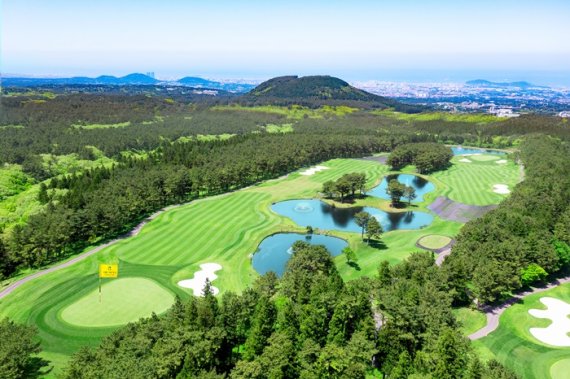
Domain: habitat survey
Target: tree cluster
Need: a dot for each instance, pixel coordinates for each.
(348, 184)
(427, 157)
(18, 351)
(397, 190)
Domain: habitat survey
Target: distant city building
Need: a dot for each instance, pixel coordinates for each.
(151, 74)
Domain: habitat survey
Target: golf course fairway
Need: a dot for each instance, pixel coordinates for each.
(225, 229)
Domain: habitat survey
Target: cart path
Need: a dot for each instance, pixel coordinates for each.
(136, 230)
(494, 313)
(441, 256)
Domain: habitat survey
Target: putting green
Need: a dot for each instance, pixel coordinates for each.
(560, 369)
(484, 158)
(122, 301)
(434, 241)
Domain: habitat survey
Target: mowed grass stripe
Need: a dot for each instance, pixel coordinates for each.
(167, 244)
(202, 229)
(472, 183)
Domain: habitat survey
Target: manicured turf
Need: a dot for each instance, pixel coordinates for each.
(513, 344)
(225, 230)
(434, 241)
(472, 183)
(121, 301)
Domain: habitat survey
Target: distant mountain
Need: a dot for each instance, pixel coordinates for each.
(196, 82)
(131, 79)
(316, 91)
(489, 84)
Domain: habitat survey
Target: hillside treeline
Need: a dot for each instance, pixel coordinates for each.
(32, 125)
(309, 324)
(526, 238)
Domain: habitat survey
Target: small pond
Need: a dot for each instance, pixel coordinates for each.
(458, 150)
(274, 251)
(421, 186)
(319, 214)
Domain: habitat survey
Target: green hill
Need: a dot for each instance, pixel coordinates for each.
(316, 91)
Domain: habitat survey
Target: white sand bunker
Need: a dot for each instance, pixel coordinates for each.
(199, 281)
(501, 189)
(556, 334)
(313, 170)
(501, 161)
(464, 160)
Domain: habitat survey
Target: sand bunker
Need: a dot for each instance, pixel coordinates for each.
(556, 334)
(313, 170)
(464, 160)
(199, 281)
(501, 161)
(501, 189)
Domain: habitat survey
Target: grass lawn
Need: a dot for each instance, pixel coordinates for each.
(224, 229)
(514, 345)
(294, 112)
(274, 128)
(472, 183)
(121, 301)
(471, 320)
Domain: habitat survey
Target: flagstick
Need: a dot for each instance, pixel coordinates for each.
(99, 290)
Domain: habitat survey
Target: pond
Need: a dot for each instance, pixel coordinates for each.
(319, 214)
(275, 251)
(458, 150)
(421, 186)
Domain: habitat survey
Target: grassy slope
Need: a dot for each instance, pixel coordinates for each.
(23, 198)
(513, 345)
(470, 319)
(225, 229)
(294, 112)
(472, 183)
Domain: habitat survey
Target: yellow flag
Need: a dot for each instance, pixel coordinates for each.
(108, 270)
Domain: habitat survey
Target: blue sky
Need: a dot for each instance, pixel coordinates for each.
(223, 38)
